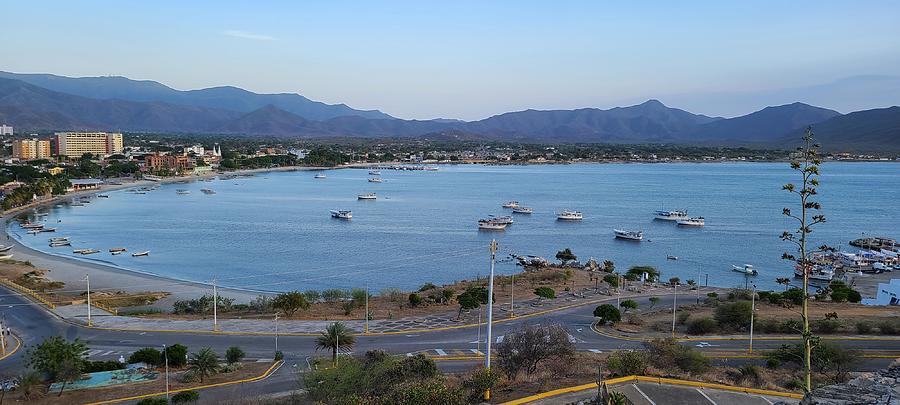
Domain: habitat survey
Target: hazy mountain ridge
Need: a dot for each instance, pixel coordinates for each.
(32, 107)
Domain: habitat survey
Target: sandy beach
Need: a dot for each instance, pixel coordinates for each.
(109, 278)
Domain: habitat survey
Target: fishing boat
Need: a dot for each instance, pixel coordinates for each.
(89, 251)
(320, 176)
(490, 225)
(46, 230)
(102, 196)
(34, 231)
(342, 214)
(207, 191)
(6, 257)
(117, 250)
(138, 254)
(60, 243)
(523, 210)
(80, 204)
(503, 219)
(567, 215)
(367, 196)
(376, 180)
(511, 204)
(746, 269)
(5, 248)
(182, 191)
(59, 239)
(116, 253)
(29, 225)
(670, 257)
(695, 221)
(671, 215)
(375, 172)
(629, 235)
(79, 250)
(822, 274)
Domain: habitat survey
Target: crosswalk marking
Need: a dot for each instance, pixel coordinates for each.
(440, 352)
(477, 352)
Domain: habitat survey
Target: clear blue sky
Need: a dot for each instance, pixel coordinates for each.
(470, 60)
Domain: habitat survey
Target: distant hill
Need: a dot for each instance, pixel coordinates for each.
(761, 127)
(866, 131)
(226, 97)
(229, 110)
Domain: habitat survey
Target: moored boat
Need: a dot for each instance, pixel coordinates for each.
(138, 254)
(117, 249)
(746, 269)
(629, 235)
(523, 210)
(6, 257)
(491, 225)
(695, 221)
(60, 243)
(671, 257)
(182, 191)
(320, 176)
(46, 230)
(376, 180)
(503, 219)
(89, 251)
(367, 196)
(5, 248)
(567, 215)
(511, 204)
(674, 215)
(342, 214)
(375, 172)
(207, 191)
(59, 239)
(29, 225)
(102, 196)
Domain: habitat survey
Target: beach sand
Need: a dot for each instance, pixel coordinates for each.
(108, 278)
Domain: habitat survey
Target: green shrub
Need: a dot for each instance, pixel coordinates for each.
(177, 355)
(185, 397)
(545, 292)
(612, 280)
(427, 286)
(608, 314)
(887, 328)
(793, 295)
(107, 365)
(863, 328)
(768, 325)
(739, 294)
(733, 314)
(666, 354)
(478, 382)
(702, 326)
(826, 325)
(627, 362)
(279, 356)
(234, 354)
(772, 364)
(683, 316)
(774, 298)
(148, 355)
(854, 296)
(153, 401)
(415, 300)
(750, 373)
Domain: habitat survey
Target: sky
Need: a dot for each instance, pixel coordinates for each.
(473, 59)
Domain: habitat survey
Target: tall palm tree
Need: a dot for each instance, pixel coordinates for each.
(335, 336)
(204, 363)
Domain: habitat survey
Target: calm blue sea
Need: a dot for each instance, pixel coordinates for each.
(273, 231)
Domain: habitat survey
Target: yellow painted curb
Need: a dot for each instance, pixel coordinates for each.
(658, 380)
(14, 349)
(221, 384)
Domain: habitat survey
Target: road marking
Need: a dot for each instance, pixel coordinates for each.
(477, 352)
(93, 352)
(440, 352)
(108, 352)
(706, 396)
(643, 394)
(767, 400)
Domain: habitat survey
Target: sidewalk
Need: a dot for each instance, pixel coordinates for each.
(525, 308)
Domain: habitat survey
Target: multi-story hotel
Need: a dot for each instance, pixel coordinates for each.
(29, 149)
(75, 144)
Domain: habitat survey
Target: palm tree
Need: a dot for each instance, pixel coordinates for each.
(204, 363)
(336, 336)
(785, 281)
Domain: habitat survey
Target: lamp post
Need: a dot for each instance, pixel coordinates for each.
(276, 332)
(752, 312)
(512, 295)
(166, 355)
(367, 310)
(674, 307)
(87, 279)
(490, 313)
(215, 307)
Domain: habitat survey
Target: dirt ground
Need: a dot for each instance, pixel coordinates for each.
(248, 370)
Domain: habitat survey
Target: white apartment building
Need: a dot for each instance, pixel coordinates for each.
(75, 144)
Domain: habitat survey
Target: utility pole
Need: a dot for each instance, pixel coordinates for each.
(337, 345)
(2, 338)
(698, 284)
(88, 280)
(512, 296)
(367, 310)
(276, 332)
(166, 355)
(215, 307)
(752, 312)
(490, 314)
(674, 307)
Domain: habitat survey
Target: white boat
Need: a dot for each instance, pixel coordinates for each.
(320, 176)
(5, 248)
(367, 196)
(60, 243)
(207, 191)
(89, 251)
(6, 257)
(490, 225)
(144, 253)
(102, 196)
(59, 239)
(695, 221)
(29, 225)
(182, 192)
(675, 215)
(376, 180)
(341, 214)
(375, 172)
(116, 253)
(522, 210)
(671, 257)
(746, 269)
(511, 204)
(117, 250)
(818, 274)
(567, 215)
(629, 235)
(34, 231)
(504, 219)
(79, 250)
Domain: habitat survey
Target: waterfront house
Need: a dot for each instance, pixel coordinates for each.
(84, 184)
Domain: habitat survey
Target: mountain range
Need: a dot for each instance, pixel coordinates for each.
(49, 102)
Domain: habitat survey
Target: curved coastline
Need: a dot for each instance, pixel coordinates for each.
(110, 277)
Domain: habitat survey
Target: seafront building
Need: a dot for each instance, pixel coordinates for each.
(75, 144)
(30, 149)
(6, 129)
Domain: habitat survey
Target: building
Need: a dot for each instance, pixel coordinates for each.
(156, 162)
(6, 129)
(30, 149)
(75, 144)
(84, 184)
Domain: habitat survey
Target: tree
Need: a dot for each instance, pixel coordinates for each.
(56, 357)
(69, 371)
(734, 314)
(336, 336)
(234, 354)
(290, 302)
(627, 362)
(447, 295)
(653, 301)
(783, 281)
(545, 292)
(638, 271)
(472, 298)
(629, 304)
(674, 281)
(609, 266)
(184, 397)
(612, 280)
(607, 314)
(147, 355)
(805, 161)
(203, 363)
(565, 256)
(177, 355)
(415, 300)
(525, 349)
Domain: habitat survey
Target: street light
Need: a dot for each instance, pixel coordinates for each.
(752, 312)
(215, 307)
(276, 332)
(490, 302)
(674, 307)
(166, 355)
(512, 296)
(88, 280)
